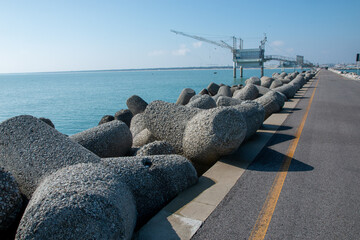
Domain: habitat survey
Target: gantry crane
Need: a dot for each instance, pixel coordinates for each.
(220, 44)
(241, 57)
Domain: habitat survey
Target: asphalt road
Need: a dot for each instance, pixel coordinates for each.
(320, 198)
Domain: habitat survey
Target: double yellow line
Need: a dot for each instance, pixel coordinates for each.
(267, 211)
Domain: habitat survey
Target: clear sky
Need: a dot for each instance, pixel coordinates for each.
(61, 35)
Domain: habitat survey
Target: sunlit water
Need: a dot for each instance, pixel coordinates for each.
(76, 101)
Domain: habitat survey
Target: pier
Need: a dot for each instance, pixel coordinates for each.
(253, 57)
(283, 165)
(297, 178)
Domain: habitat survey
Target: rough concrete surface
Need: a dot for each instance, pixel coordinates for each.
(227, 101)
(185, 96)
(202, 102)
(83, 201)
(156, 148)
(10, 200)
(288, 90)
(266, 81)
(249, 92)
(106, 119)
(272, 102)
(213, 133)
(224, 91)
(124, 115)
(47, 121)
(137, 124)
(136, 104)
(112, 139)
(254, 114)
(31, 150)
(213, 88)
(167, 121)
(253, 80)
(143, 138)
(153, 180)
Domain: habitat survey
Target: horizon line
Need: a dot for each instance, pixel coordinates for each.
(125, 69)
(138, 69)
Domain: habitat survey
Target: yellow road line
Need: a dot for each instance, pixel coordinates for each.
(267, 211)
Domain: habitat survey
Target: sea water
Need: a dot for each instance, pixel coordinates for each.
(76, 101)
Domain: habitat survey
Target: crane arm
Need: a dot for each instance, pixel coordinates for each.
(227, 45)
(222, 44)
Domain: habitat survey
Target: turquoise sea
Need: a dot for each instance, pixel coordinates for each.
(76, 101)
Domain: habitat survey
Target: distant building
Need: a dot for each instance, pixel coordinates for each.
(300, 60)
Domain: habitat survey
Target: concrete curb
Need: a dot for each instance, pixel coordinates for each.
(184, 215)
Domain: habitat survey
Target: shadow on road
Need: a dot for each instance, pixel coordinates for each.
(300, 97)
(280, 138)
(275, 127)
(270, 160)
(289, 110)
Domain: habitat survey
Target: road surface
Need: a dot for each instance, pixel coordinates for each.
(319, 197)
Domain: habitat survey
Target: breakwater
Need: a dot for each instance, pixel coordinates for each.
(86, 179)
(75, 101)
(348, 74)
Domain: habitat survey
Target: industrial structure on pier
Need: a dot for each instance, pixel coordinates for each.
(250, 58)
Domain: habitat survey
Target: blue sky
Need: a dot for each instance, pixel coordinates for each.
(38, 36)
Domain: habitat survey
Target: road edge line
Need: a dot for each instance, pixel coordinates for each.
(267, 211)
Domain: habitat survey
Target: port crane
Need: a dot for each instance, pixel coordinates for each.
(241, 57)
(254, 57)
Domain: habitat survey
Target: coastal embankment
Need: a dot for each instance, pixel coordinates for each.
(346, 74)
(116, 176)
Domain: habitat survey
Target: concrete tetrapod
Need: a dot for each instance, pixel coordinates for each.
(254, 114)
(124, 115)
(224, 91)
(112, 139)
(213, 88)
(227, 101)
(167, 121)
(307, 77)
(290, 76)
(185, 96)
(288, 90)
(10, 200)
(47, 121)
(253, 80)
(295, 84)
(276, 83)
(283, 74)
(204, 91)
(143, 137)
(234, 88)
(294, 74)
(106, 119)
(153, 180)
(298, 82)
(211, 134)
(266, 81)
(83, 201)
(31, 150)
(272, 102)
(137, 124)
(202, 102)
(195, 97)
(286, 80)
(262, 90)
(249, 92)
(136, 104)
(156, 148)
(275, 75)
